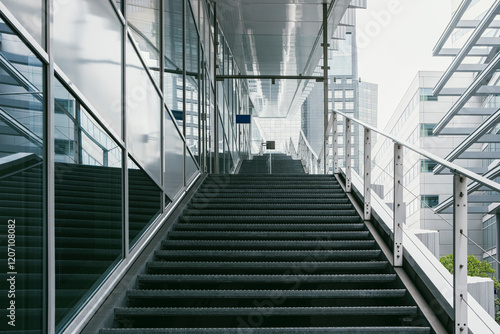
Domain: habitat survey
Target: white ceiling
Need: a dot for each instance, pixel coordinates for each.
(277, 37)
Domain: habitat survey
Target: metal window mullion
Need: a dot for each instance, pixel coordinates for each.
(367, 175)
(184, 112)
(125, 178)
(399, 209)
(49, 182)
(460, 253)
(325, 87)
(347, 155)
(162, 113)
(216, 98)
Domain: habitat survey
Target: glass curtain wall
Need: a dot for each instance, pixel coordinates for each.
(87, 175)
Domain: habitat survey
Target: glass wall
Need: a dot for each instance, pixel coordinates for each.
(119, 126)
(22, 114)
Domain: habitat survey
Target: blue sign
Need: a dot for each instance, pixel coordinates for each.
(243, 119)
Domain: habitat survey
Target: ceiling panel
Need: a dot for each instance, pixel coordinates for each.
(277, 37)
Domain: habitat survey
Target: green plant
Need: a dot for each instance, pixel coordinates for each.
(474, 268)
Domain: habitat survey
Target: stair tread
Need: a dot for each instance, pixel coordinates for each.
(284, 311)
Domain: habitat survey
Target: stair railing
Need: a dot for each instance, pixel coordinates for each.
(468, 315)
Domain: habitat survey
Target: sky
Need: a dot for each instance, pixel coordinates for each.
(395, 41)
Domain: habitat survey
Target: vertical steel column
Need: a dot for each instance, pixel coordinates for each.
(125, 179)
(399, 209)
(49, 278)
(325, 46)
(216, 106)
(460, 253)
(162, 108)
(347, 155)
(184, 81)
(367, 212)
(335, 143)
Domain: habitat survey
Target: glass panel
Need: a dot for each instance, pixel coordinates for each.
(87, 47)
(31, 15)
(143, 115)
(172, 32)
(144, 23)
(88, 220)
(21, 185)
(144, 201)
(174, 158)
(191, 167)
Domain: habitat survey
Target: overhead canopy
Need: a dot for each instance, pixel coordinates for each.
(277, 38)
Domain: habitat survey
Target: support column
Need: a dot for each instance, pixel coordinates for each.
(325, 87)
(216, 104)
(347, 155)
(335, 143)
(184, 83)
(367, 212)
(460, 253)
(399, 209)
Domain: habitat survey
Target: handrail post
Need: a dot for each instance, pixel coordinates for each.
(335, 143)
(460, 253)
(347, 155)
(399, 209)
(367, 175)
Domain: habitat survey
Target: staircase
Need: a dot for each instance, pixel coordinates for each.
(88, 233)
(269, 254)
(277, 163)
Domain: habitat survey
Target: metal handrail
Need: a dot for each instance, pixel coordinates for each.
(465, 315)
(454, 168)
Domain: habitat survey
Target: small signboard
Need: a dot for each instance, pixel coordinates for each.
(243, 119)
(270, 145)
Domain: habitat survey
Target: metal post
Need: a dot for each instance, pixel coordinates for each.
(325, 86)
(49, 256)
(184, 84)
(460, 253)
(347, 155)
(216, 108)
(399, 209)
(335, 143)
(367, 175)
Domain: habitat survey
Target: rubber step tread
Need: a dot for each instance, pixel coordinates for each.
(275, 311)
(273, 206)
(271, 330)
(270, 235)
(275, 219)
(267, 244)
(368, 293)
(183, 226)
(229, 278)
(267, 255)
(270, 212)
(266, 265)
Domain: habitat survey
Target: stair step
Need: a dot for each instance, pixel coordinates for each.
(269, 227)
(264, 266)
(275, 311)
(274, 220)
(262, 294)
(270, 206)
(271, 330)
(329, 200)
(266, 279)
(268, 244)
(267, 255)
(270, 235)
(330, 213)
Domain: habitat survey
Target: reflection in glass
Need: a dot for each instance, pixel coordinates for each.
(21, 183)
(87, 47)
(144, 201)
(143, 115)
(88, 196)
(144, 22)
(174, 158)
(31, 14)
